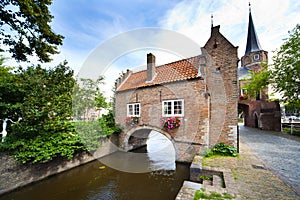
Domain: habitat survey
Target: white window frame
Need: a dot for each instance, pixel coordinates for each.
(134, 114)
(256, 56)
(172, 108)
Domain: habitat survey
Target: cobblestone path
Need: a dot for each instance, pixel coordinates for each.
(281, 155)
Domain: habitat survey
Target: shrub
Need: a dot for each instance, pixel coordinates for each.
(44, 147)
(200, 194)
(221, 149)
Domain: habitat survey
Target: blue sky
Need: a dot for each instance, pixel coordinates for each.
(88, 24)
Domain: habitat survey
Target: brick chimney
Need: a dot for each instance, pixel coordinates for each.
(150, 67)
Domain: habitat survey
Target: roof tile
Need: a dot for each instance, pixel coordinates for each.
(176, 71)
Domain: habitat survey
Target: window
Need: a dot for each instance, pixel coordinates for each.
(256, 56)
(133, 109)
(173, 108)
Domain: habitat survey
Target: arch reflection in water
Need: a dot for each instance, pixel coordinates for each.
(161, 152)
(159, 155)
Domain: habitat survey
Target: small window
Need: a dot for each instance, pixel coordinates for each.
(133, 110)
(173, 108)
(256, 56)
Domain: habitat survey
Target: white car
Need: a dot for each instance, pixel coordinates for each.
(293, 118)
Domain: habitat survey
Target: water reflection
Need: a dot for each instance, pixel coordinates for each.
(94, 182)
(161, 152)
(159, 155)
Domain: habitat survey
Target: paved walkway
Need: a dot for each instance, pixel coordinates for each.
(280, 152)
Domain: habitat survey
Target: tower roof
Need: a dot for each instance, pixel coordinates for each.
(252, 39)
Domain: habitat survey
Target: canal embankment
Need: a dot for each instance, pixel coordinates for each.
(14, 175)
(97, 180)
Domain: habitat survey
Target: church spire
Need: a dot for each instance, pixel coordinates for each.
(252, 39)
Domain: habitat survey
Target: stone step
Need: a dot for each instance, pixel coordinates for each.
(192, 185)
(206, 183)
(217, 181)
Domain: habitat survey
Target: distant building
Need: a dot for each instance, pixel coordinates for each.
(258, 112)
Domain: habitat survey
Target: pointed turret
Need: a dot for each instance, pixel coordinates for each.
(253, 59)
(254, 54)
(252, 39)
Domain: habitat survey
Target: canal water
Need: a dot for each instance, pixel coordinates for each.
(96, 181)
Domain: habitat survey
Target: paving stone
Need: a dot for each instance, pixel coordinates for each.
(280, 154)
(217, 181)
(257, 182)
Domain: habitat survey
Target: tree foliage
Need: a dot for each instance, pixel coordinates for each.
(11, 95)
(44, 102)
(284, 74)
(86, 96)
(43, 98)
(25, 29)
(259, 82)
(286, 68)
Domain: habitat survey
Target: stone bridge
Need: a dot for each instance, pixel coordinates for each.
(137, 136)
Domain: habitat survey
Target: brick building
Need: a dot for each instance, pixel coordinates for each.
(201, 92)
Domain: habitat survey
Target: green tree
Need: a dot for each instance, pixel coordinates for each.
(47, 97)
(11, 94)
(100, 101)
(259, 82)
(286, 68)
(25, 29)
(45, 131)
(86, 96)
(43, 99)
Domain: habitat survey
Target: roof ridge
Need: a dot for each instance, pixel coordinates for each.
(185, 59)
(179, 60)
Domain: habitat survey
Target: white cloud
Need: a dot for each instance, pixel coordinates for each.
(272, 20)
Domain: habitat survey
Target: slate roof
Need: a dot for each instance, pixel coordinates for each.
(252, 39)
(176, 71)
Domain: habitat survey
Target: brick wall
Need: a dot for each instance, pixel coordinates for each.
(221, 75)
(210, 102)
(248, 60)
(261, 114)
(193, 128)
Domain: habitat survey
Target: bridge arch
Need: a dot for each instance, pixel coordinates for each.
(184, 150)
(141, 134)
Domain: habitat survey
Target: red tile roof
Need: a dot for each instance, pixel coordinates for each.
(176, 71)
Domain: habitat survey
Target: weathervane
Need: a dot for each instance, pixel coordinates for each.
(4, 133)
(249, 6)
(212, 20)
